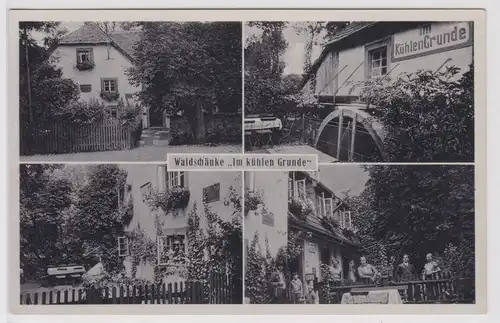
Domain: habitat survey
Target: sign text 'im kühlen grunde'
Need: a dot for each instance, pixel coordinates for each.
(303, 162)
(430, 38)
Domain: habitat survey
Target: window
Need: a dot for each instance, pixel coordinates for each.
(345, 219)
(212, 193)
(174, 179)
(377, 59)
(109, 85)
(267, 218)
(85, 88)
(113, 111)
(84, 55)
(297, 188)
(171, 248)
(123, 249)
(146, 189)
(324, 205)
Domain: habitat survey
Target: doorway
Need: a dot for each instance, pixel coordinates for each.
(156, 118)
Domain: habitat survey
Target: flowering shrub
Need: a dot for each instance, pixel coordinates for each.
(299, 208)
(82, 112)
(252, 200)
(330, 223)
(348, 233)
(127, 212)
(303, 99)
(84, 66)
(170, 200)
(110, 96)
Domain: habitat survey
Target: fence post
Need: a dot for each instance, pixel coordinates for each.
(169, 293)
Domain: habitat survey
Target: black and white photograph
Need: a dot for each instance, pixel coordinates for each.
(352, 234)
(360, 91)
(128, 91)
(129, 234)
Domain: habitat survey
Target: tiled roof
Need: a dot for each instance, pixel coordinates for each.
(350, 29)
(314, 222)
(90, 33)
(126, 40)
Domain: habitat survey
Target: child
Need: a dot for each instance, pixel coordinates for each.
(296, 285)
(311, 296)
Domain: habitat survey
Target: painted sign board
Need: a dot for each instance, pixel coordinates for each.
(431, 39)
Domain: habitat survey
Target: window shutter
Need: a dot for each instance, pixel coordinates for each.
(318, 206)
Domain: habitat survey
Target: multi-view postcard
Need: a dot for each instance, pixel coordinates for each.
(345, 162)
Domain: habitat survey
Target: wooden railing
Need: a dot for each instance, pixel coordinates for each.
(440, 287)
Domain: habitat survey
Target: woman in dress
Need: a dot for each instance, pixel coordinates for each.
(367, 271)
(430, 268)
(352, 271)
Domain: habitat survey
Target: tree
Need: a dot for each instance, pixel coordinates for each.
(98, 219)
(427, 115)
(264, 67)
(416, 210)
(311, 29)
(189, 68)
(255, 275)
(43, 91)
(333, 27)
(43, 201)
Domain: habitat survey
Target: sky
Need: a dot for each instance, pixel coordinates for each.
(344, 177)
(293, 57)
(294, 54)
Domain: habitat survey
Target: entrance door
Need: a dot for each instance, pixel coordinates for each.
(345, 267)
(156, 118)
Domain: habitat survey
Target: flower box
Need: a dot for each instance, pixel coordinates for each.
(252, 201)
(110, 96)
(85, 66)
(299, 208)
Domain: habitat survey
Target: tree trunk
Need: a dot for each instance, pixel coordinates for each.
(28, 75)
(199, 122)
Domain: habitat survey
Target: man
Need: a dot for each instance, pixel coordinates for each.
(296, 287)
(405, 270)
(278, 282)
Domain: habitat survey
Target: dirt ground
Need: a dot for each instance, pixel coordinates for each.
(145, 154)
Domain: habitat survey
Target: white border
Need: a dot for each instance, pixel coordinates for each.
(373, 15)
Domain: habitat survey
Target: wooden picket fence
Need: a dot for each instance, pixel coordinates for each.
(219, 292)
(64, 137)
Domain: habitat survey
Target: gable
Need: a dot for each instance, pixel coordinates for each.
(91, 34)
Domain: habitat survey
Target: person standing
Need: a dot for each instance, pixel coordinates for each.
(336, 272)
(297, 289)
(352, 271)
(366, 271)
(311, 296)
(405, 270)
(430, 268)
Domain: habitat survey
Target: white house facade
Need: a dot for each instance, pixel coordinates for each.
(145, 179)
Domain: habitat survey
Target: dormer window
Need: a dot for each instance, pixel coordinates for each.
(84, 55)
